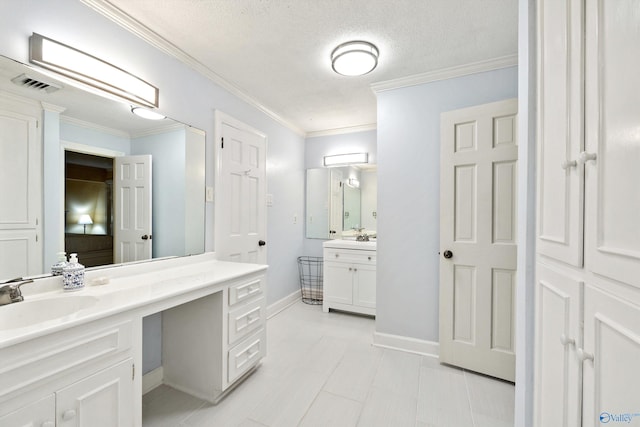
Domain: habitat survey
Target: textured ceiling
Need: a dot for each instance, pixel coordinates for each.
(277, 51)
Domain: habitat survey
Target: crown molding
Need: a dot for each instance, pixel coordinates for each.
(135, 27)
(159, 130)
(446, 73)
(93, 126)
(341, 131)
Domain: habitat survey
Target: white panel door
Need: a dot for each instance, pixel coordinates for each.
(611, 355)
(20, 191)
(478, 238)
(612, 156)
(558, 374)
(133, 211)
(101, 400)
(241, 187)
(560, 130)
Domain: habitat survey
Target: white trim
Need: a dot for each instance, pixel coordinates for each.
(52, 107)
(446, 73)
(94, 126)
(341, 131)
(79, 148)
(283, 303)
(119, 17)
(410, 345)
(152, 379)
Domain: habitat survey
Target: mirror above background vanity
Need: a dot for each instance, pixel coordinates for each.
(74, 121)
(339, 200)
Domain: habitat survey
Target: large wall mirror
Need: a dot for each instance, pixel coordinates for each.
(341, 200)
(70, 204)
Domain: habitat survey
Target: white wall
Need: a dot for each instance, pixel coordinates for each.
(409, 191)
(185, 96)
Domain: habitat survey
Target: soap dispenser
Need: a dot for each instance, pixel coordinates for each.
(56, 269)
(73, 274)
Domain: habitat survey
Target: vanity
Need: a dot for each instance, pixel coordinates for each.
(349, 271)
(75, 358)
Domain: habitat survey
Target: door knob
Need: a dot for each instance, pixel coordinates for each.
(261, 243)
(583, 355)
(69, 415)
(586, 157)
(564, 340)
(447, 254)
(146, 237)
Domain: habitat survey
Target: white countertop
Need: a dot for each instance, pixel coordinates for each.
(163, 283)
(351, 244)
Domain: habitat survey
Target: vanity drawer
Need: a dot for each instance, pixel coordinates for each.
(350, 256)
(244, 291)
(32, 361)
(246, 355)
(246, 319)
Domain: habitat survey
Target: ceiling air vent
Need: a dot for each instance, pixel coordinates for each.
(29, 82)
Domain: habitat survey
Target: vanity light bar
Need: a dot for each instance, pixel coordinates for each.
(91, 71)
(346, 159)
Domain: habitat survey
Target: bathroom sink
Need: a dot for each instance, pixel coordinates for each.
(31, 312)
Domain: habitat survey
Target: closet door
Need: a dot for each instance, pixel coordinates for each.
(612, 156)
(560, 134)
(558, 372)
(610, 356)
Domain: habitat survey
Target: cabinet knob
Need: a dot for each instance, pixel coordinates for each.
(355, 269)
(586, 157)
(369, 258)
(261, 243)
(350, 269)
(583, 355)
(337, 255)
(564, 340)
(569, 164)
(69, 415)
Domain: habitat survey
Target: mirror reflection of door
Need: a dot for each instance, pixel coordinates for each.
(88, 208)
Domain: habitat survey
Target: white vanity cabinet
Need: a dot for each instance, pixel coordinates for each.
(227, 332)
(588, 242)
(83, 376)
(349, 276)
(84, 368)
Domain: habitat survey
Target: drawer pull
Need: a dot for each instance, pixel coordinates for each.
(69, 415)
(369, 258)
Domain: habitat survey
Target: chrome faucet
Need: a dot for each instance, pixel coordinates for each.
(10, 291)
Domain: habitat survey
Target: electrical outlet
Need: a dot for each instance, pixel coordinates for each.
(209, 194)
(295, 218)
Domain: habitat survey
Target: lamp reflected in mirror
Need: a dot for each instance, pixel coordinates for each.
(85, 220)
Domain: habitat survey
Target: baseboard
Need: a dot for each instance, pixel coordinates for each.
(411, 345)
(285, 302)
(152, 379)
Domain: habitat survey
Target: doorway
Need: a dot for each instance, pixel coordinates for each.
(88, 207)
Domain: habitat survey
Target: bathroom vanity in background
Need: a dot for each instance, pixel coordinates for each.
(75, 359)
(349, 282)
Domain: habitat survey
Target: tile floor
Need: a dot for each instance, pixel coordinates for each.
(321, 370)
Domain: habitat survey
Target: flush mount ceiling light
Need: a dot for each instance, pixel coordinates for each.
(147, 114)
(354, 58)
(346, 159)
(91, 71)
